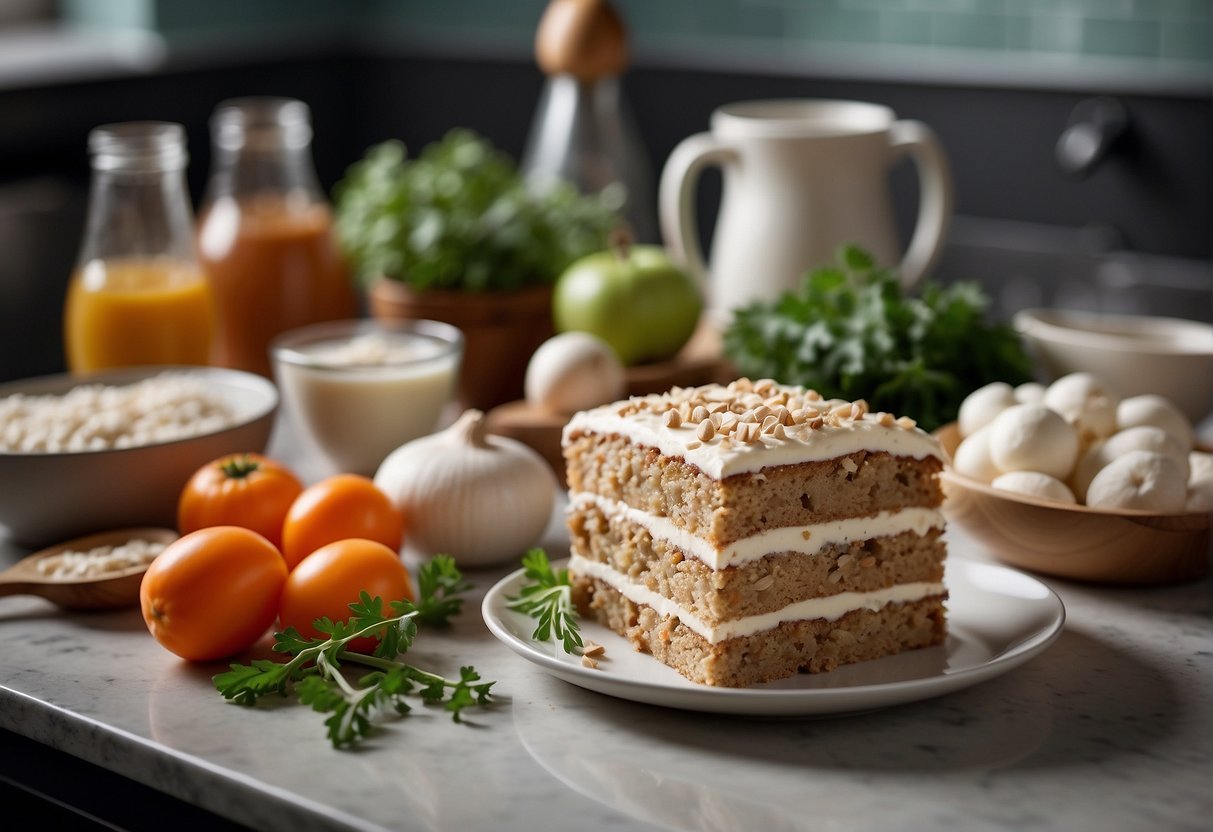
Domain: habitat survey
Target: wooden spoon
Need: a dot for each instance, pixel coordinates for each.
(110, 591)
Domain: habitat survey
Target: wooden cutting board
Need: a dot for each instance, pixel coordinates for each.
(699, 362)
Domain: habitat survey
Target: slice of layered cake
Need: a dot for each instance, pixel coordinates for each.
(745, 533)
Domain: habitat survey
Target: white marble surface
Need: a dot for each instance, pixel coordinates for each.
(1110, 729)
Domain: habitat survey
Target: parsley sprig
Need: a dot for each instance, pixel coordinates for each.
(549, 598)
(315, 673)
(850, 331)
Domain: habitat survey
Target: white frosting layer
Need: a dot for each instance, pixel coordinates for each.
(830, 608)
(803, 539)
(723, 456)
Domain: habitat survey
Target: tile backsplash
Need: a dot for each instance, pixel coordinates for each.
(1174, 33)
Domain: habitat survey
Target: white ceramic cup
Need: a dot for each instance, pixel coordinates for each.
(801, 178)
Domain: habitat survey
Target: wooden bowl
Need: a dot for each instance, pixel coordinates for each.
(111, 590)
(1074, 541)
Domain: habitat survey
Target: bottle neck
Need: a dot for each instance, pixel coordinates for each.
(263, 152)
(139, 205)
(256, 171)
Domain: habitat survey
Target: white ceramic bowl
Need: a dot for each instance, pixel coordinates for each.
(46, 498)
(1134, 354)
(359, 389)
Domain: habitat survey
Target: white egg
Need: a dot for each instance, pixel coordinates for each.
(1085, 402)
(981, 406)
(574, 371)
(972, 457)
(1200, 482)
(1034, 484)
(1142, 480)
(1030, 393)
(1031, 437)
(1140, 438)
(1155, 410)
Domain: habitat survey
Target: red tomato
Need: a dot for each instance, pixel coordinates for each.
(328, 580)
(212, 593)
(247, 490)
(337, 508)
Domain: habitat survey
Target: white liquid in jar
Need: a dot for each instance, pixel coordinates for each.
(360, 399)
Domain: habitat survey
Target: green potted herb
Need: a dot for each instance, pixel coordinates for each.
(455, 235)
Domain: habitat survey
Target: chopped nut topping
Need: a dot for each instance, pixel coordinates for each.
(699, 414)
(885, 419)
(761, 413)
(817, 424)
(672, 419)
(592, 648)
(779, 432)
(706, 430)
(692, 445)
(586, 661)
(906, 423)
(769, 423)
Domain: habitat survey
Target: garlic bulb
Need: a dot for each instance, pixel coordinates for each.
(574, 371)
(481, 499)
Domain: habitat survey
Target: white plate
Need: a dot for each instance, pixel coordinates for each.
(997, 619)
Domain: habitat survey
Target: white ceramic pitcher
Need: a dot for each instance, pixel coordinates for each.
(801, 178)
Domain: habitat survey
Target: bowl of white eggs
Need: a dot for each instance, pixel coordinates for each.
(1072, 479)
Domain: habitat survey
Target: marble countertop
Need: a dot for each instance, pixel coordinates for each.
(1109, 729)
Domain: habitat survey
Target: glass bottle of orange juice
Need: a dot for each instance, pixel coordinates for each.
(138, 295)
(265, 234)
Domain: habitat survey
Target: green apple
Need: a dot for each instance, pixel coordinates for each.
(633, 297)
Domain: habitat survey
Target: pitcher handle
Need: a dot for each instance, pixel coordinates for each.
(676, 200)
(935, 197)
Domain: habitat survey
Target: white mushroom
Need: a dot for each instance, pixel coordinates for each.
(1085, 402)
(972, 457)
(1141, 438)
(574, 371)
(1155, 410)
(1031, 437)
(1034, 484)
(1030, 393)
(981, 406)
(1143, 480)
(1200, 482)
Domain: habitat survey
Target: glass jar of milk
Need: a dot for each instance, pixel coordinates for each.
(359, 389)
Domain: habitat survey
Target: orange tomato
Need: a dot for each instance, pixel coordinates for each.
(212, 593)
(328, 580)
(247, 490)
(337, 508)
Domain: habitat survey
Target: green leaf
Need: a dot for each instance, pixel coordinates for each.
(851, 332)
(315, 674)
(461, 216)
(439, 584)
(549, 599)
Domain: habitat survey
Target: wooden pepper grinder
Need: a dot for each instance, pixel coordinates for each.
(583, 131)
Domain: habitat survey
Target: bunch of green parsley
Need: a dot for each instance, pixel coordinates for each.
(852, 332)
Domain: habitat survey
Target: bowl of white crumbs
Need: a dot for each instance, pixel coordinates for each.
(88, 453)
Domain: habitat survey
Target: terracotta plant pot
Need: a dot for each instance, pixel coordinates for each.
(502, 331)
